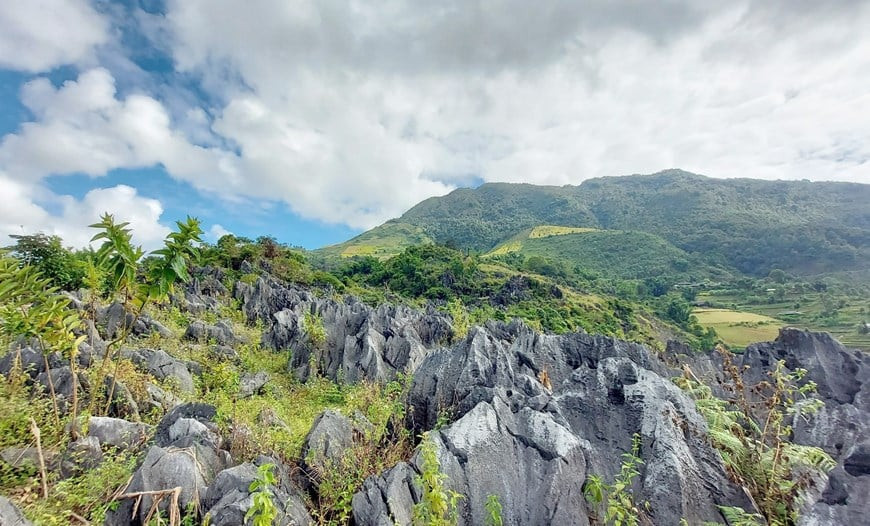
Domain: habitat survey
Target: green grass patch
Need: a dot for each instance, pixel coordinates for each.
(739, 328)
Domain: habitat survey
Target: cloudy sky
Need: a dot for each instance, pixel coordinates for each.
(313, 120)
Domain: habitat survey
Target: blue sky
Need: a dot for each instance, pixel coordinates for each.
(312, 121)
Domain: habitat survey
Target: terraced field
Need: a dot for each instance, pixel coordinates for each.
(738, 328)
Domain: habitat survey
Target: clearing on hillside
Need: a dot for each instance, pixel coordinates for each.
(738, 328)
(552, 230)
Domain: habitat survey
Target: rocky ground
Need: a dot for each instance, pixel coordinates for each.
(513, 413)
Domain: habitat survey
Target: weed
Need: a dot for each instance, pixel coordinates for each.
(262, 511)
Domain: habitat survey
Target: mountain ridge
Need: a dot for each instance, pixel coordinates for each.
(746, 224)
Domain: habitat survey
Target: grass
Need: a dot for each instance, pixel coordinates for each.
(805, 310)
(739, 328)
(551, 230)
(381, 242)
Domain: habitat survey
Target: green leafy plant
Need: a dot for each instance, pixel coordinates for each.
(752, 435)
(121, 260)
(493, 511)
(262, 511)
(438, 505)
(620, 508)
(31, 308)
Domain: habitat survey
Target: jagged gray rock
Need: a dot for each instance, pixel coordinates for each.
(162, 366)
(535, 414)
(10, 515)
(118, 433)
(80, 456)
(331, 435)
(251, 383)
(186, 453)
(229, 498)
(841, 428)
(221, 333)
(362, 342)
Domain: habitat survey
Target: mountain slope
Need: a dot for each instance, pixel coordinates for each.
(615, 253)
(751, 225)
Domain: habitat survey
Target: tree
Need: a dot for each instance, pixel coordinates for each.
(53, 261)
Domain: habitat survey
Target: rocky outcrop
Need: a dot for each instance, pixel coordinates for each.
(187, 454)
(361, 342)
(162, 366)
(252, 383)
(221, 333)
(841, 428)
(229, 497)
(10, 515)
(535, 414)
(118, 433)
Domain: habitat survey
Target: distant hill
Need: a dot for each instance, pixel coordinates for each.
(749, 225)
(612, 253)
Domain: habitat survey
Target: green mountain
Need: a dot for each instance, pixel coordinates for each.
(623, 254)
(748, 225)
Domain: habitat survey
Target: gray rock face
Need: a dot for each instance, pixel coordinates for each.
(10, 515)
(251, 383)
(229, 498)
(117, 432)
(80, 456)
(224, 353)
(362, 342)
(330, 436)
(221, 333)
(841, 428)
(19, 457)
(186, 454)
(162, 366)
(30, 361)
(536, 414)
(115, 319)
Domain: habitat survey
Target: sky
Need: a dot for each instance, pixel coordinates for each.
(311, 121)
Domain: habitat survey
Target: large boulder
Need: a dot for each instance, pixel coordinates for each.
(534, 415)
(220, 333)
(186, 454)
(10, 515)
(252, 383)
(228, 498)
(841, 427)
(118, 433)
(80, 456)
(361, 343)
(329, 438)
(162, 366)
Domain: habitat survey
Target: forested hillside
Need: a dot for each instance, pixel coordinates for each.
(751, 226)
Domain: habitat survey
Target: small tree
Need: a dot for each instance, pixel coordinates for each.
(121, 260)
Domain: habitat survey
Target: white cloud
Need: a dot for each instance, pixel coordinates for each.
(38, 35)
(217, 231)
(350, 113)
(30, 208)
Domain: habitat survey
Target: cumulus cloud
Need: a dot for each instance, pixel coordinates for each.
(34, 209)
(38, 35)
(351, 112)
(217, 231)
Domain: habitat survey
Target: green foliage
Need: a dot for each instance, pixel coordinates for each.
(438, 505)
(751, 225)
(382, 445)
(753, 435)
(620, 508)
(262, 511)
(117, 255)
(30, 308)
(88, 495)
(493, 511)
(179, 250)
(460, 318)
(63, 268)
